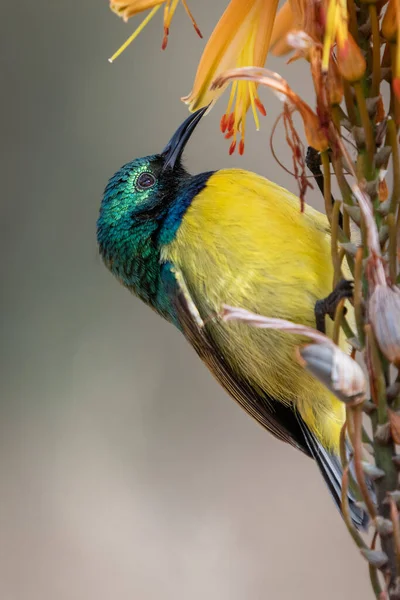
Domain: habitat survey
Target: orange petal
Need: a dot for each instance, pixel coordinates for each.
(284, 22)
(227, 41)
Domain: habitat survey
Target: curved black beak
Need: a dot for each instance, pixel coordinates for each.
(173, 150)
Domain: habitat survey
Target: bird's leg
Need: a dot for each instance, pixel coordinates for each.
(328, 305)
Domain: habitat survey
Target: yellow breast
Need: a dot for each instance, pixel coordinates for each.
(244, 242)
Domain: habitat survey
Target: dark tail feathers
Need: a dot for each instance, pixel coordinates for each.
(331, 470)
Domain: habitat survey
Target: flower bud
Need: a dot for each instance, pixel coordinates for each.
(336, 370)
(389, 22)
(384, 314)
(351, 62)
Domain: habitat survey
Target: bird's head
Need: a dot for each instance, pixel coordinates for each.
(139, 198)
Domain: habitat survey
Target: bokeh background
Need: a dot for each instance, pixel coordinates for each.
(125, 471)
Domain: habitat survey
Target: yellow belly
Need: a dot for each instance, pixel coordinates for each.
(244, 242)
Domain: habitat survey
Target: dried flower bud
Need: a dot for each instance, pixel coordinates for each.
(383, 526)
(351, 62)
(382, 158)
(334, 83)
(376, 558)
(395, 495)
(389, 22)
(384, 313)
(354, 212)
(372, 471)
(336, 370)
(383, 191)
(383, 434)
(394, 420)
(315, 135)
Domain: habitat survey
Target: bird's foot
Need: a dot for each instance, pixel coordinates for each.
(328, 305)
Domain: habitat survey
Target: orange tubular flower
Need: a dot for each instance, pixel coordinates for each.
(241, 38)
(129, 8)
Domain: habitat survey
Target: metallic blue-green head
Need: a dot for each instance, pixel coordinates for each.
(141, 209)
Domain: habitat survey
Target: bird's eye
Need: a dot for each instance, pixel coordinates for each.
(145, 181)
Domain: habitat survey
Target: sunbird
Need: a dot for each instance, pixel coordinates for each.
(188, 244)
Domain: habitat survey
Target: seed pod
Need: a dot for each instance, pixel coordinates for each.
(336, 370)
(384, 313)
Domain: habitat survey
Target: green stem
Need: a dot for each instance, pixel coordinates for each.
(345, 497)
(327, 184)
(378, 377)
(334, 241)
(376, 51)
(357, 295)
(353, 24)
(350, 107)
(357, 413)
(367, 126)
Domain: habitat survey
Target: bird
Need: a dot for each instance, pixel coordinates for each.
(187, 245)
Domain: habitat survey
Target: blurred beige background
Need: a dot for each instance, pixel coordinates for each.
(125, 471)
